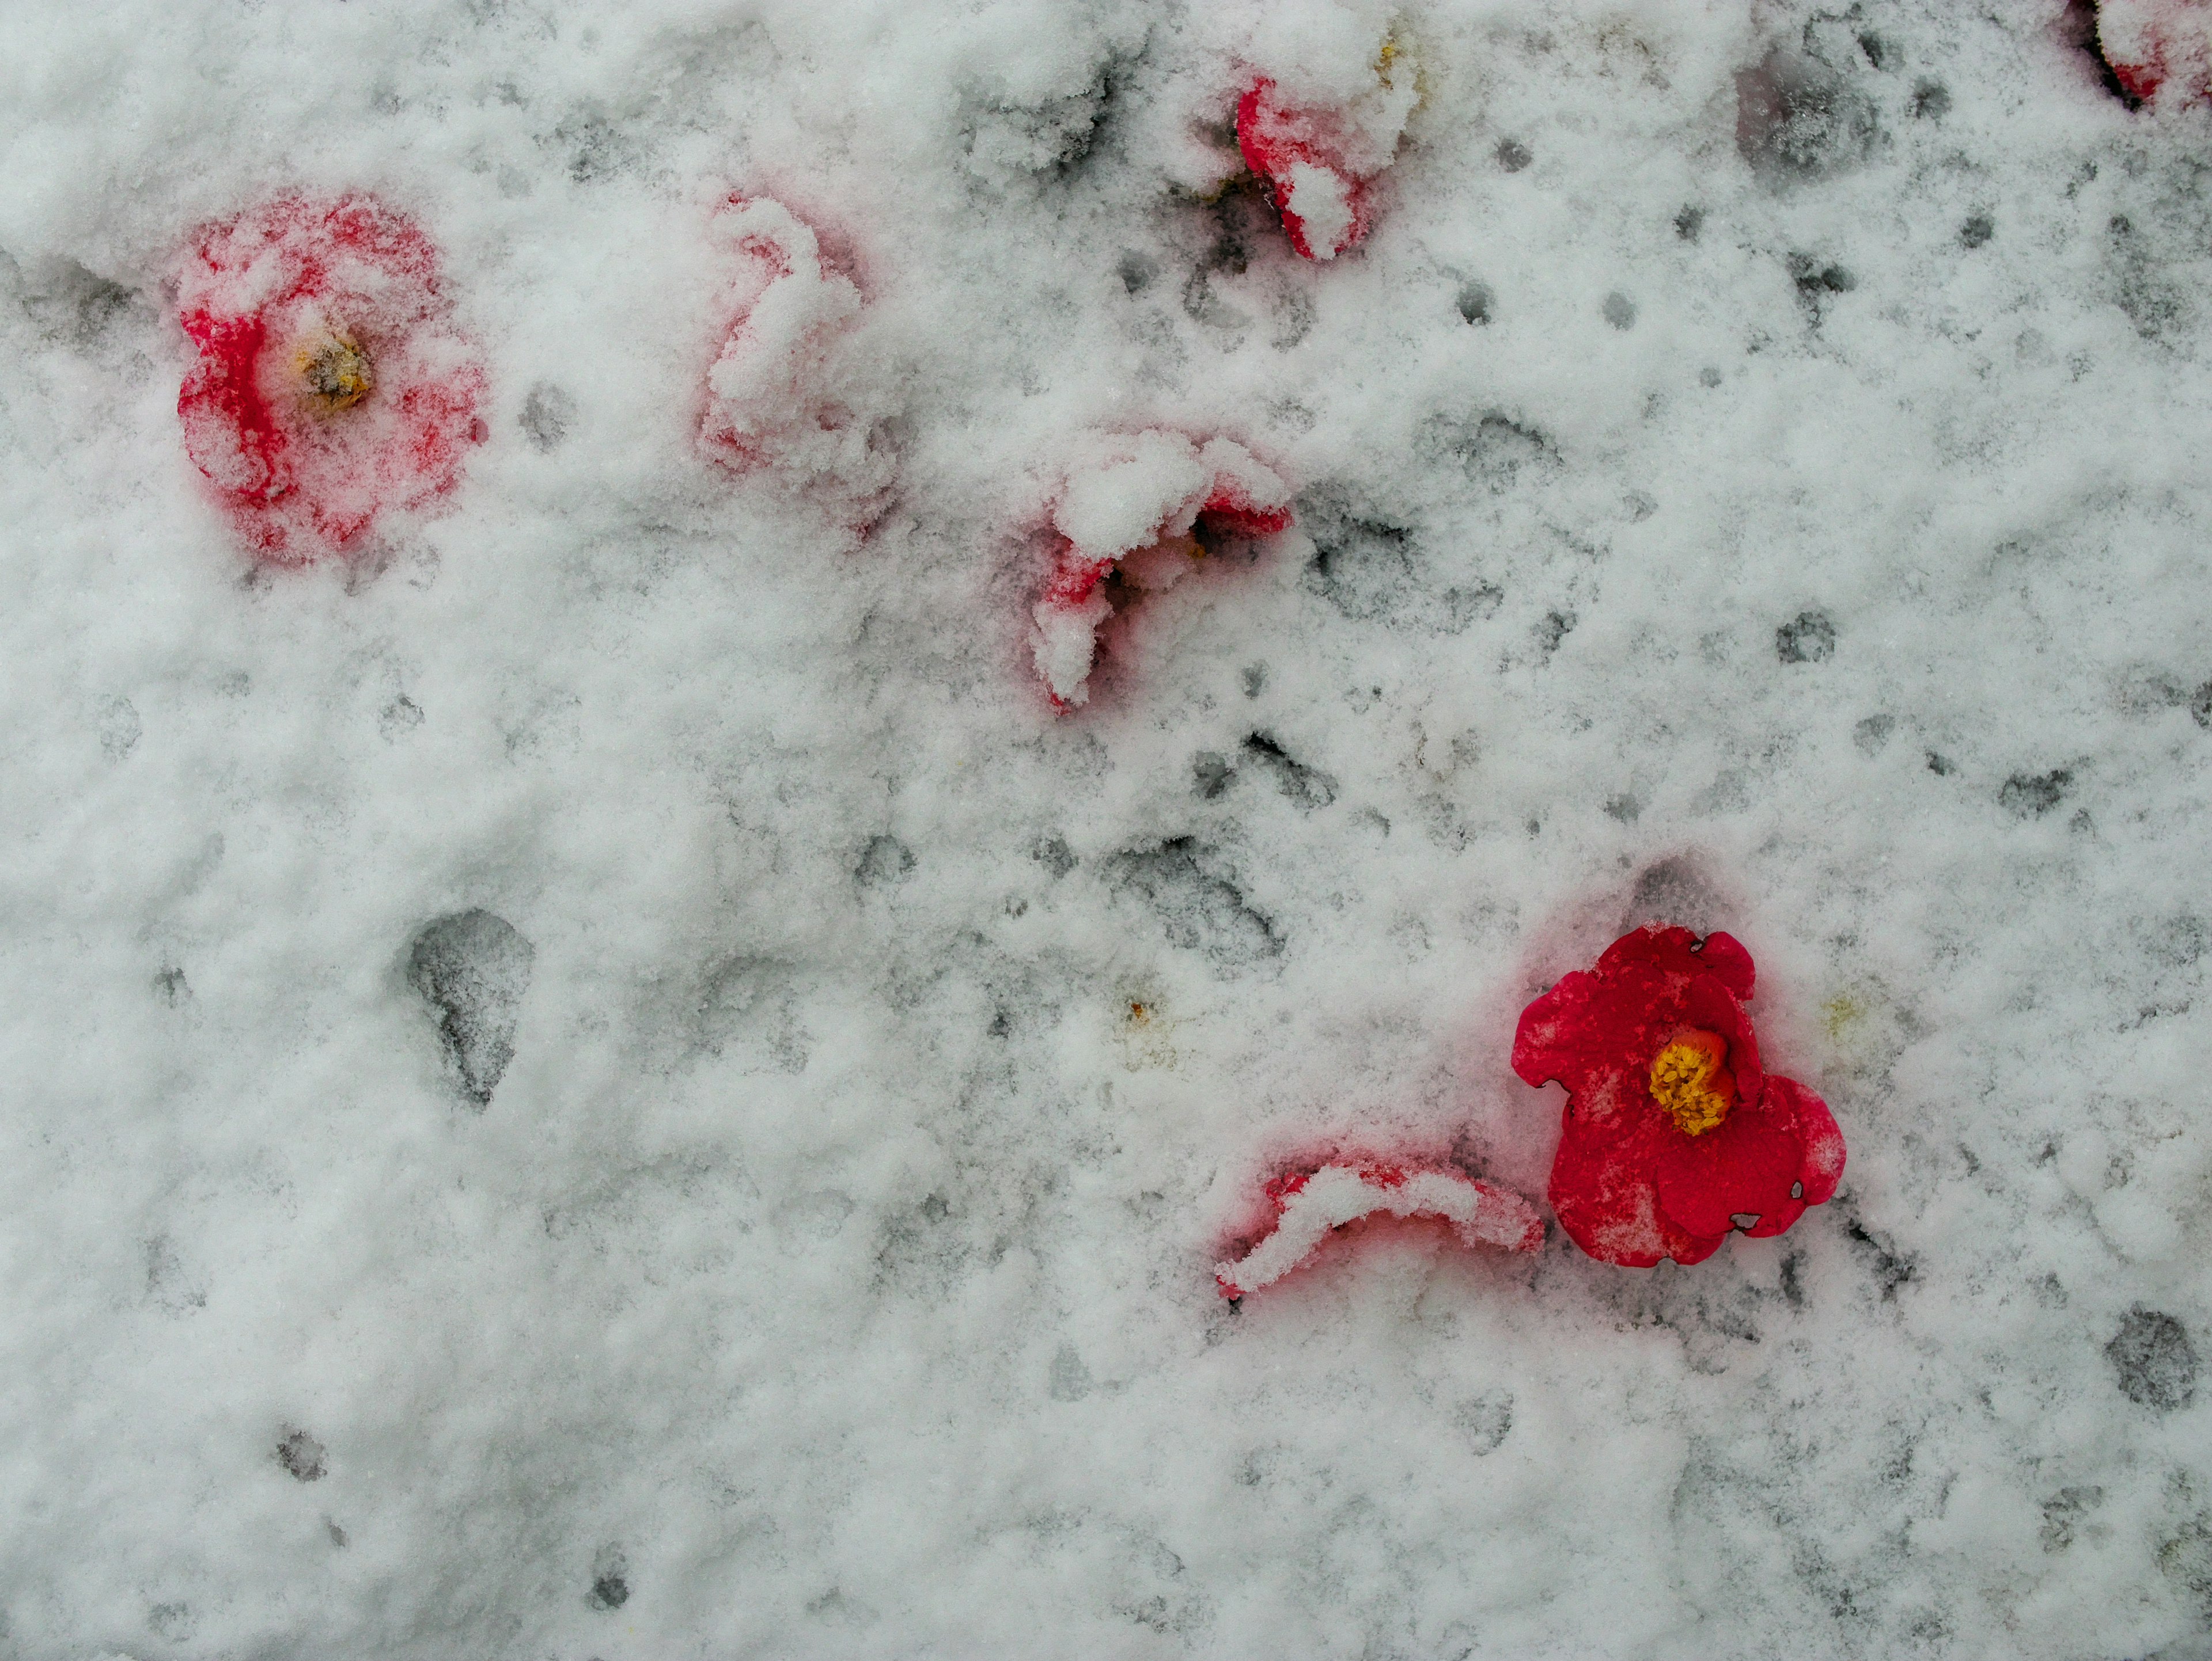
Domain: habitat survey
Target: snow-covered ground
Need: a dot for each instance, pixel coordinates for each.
(1753, 475)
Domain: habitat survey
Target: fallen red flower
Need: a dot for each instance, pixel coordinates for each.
(1672, 1134)
(1306, 1207)
(1136, 513)
(330, 384)
(2158, 47)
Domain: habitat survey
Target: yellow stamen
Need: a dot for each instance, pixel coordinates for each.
(335, 370)
(1689, 1084)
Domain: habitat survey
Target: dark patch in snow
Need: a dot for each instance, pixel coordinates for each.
(885, 860)
(1307, 787)
(2154, 1361)
(301, 1456)
(1201, 908)
(2031, 795)
(548, 412)
(474, 968)
(1798, 119)
(1809, 637)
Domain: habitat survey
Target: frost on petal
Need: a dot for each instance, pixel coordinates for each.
(1154, 487)
(796, 392)
(1066, 640)
(1308, 1208)
(1128, 520)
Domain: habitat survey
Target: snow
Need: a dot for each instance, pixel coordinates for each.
(1750, 474)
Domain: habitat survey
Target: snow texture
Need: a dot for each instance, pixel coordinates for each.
(1751, 474)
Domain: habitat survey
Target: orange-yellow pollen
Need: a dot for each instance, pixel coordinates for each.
(1688, 1083)
(335, 370)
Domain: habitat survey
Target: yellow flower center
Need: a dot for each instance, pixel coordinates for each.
(335, 371)
(1689, 1084)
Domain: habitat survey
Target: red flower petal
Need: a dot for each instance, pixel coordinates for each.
(2159, 50)
(1723, 956)
(1556, 1038)
(796, 395)
(1306, 157)
(1747, 1166)
(1604, 1187)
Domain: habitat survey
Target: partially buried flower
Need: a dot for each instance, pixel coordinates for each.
(1305, 1206)
(2159, 50)
(1319, 156)
(797, 393)
(332, 384)
(1674, 1136)
(1137, 513)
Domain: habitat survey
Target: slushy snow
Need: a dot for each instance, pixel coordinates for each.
(605, 1077)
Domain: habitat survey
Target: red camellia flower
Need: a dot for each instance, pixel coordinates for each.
(330, 383)
(2158, 48)
(1674, 1136)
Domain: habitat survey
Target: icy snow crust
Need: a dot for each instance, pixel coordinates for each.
(1792, 523)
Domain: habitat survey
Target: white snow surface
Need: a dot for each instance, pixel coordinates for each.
(1794, 524)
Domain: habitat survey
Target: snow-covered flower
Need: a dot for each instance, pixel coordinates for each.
(1306, 1207)
(1133, 515)
(796, 392)
(1321, 161)
(331, 383)
(2159, 49)
(1672, 1131)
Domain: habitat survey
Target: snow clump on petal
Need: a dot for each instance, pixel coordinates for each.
(1310, 1206)
(1135, 509)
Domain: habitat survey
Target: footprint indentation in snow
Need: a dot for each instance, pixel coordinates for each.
(474, 967)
